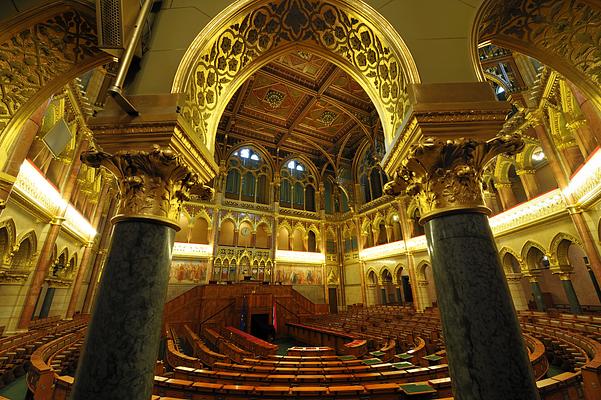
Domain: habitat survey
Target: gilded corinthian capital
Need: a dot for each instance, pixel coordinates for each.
(152, 184)
(445, 175)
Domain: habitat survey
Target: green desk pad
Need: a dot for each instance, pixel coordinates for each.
(371, 361)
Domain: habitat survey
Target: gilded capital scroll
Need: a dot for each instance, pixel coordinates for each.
(445, 175)
(152, 184)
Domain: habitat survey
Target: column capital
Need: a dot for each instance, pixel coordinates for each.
(525, 172)
(532, 276)
(153, 183)
(564, 275)
(514, 276)
(445, 175)
(536, 117)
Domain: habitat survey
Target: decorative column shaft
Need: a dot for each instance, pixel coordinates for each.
(486, 351)
(536, 293)
(107, 228)
(559, 172)
(506, 194)
(566, 282)
(528, 179)
(39, 274)
(85, 260)
(119, 355)
(19, 153)
(589, 110)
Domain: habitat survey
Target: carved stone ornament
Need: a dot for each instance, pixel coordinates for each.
(445, 176)
(153, 184)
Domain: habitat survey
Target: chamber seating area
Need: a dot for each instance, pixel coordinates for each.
(17, 352)
(401, 355)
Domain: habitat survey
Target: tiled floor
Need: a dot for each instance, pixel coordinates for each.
(16, 390)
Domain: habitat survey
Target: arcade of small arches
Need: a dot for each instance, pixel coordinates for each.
(299, 148)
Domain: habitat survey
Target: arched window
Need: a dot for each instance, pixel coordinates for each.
(297, 187)
(21, 261)
(312, 242)
(309, 198)
(285, 194)
(382, 236)
(299, 196)
(370, 175)
(248, 187)
(248, 177)
(232, 186)
(328, 197)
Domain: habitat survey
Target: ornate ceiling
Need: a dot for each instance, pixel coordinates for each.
(300, 103)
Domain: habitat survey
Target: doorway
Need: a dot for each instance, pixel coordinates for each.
(260, 327)
(333, 300)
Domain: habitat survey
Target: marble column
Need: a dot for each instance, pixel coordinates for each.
(573, 156)
(536, 293)
(41, 270)
(85, 259)
(100, 256)
(485, 348)
(561, 175)
(83, 267)
(590, 111)
(528, 179)
(19, 153)
(506, 194)
(424, 296)
(39, 274)
(583, 135)
(122, 344)
(566, 282)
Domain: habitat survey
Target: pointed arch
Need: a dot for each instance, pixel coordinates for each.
(63, 34)
(531, 27)
(236, 44)
(558, 249)
(507, 252)
(420, 269)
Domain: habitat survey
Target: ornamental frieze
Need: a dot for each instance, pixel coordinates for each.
(567, 30)
(40, 53)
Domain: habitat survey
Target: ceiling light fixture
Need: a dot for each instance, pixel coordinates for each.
(274, 98)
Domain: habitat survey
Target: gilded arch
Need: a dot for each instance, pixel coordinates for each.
(559, 251)
(397, 273)
(258, 148)
(506, 250)
(526, 249)
(368, 274)
(421, 269)
(560, 34)
(312, 169)
(251, 33)
(42, 50)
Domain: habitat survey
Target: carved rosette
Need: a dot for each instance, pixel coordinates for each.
(445, 175)
(153, 184)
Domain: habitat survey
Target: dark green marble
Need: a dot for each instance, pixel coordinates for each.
(538, 296)
(486, 352)
(124, 334)
(572, 298)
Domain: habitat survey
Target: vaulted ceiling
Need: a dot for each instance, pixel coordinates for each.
(300, 103)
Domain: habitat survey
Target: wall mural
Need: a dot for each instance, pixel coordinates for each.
(186, 272)
(299, 275)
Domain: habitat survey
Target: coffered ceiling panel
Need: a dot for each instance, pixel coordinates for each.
(301, 103)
